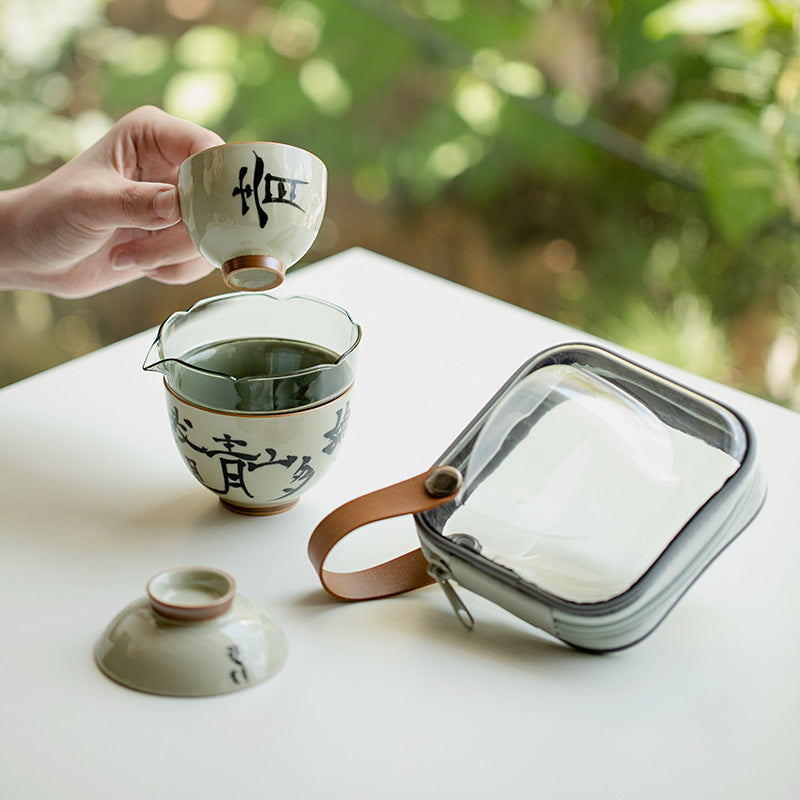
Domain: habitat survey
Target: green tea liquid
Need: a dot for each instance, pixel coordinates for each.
(261, 375)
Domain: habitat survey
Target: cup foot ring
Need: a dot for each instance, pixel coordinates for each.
(259, 511)
(253, 273)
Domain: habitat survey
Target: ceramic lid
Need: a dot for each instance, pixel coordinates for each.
(192, 635)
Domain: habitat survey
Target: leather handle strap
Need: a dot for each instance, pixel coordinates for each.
(410, 571)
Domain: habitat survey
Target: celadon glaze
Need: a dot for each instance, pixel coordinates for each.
(146, 650)
(253, 199)
(260, 456)
(258, 463)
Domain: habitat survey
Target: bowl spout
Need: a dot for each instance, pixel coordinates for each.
(154, 360)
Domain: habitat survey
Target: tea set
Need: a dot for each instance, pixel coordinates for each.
(257, 390)
(551, 527)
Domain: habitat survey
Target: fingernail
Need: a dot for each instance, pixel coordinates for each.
(123, 261)
(165, 204)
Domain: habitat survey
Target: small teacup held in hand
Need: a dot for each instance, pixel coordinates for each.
(253, 209)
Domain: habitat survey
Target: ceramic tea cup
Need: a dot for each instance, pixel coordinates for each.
(192, 635)
(253, 209)
(258, 393)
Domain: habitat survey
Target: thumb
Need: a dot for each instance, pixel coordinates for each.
(136, 204)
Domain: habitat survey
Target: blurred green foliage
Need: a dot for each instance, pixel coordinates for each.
(627, 167)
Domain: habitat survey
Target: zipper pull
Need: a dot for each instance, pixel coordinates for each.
(442, 576)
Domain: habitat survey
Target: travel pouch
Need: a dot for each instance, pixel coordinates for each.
(585, 498)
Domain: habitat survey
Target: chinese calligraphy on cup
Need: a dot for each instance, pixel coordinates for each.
(253, 209)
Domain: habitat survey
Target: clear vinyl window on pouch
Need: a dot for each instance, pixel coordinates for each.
(594, 493)
(578, 486)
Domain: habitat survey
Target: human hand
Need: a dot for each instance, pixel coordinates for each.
(108, 216)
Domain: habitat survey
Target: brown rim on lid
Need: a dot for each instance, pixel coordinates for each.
(167, 593)
(253, 273)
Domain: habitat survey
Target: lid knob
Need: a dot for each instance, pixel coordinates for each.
(191, 594)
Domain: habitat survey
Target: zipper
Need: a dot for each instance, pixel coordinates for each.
(441, 574)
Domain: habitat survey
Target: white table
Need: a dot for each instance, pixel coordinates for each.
(388, 699)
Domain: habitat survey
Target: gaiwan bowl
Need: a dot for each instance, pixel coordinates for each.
(191, 636)
(258, 393)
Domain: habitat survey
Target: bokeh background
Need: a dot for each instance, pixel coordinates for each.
(626, 166)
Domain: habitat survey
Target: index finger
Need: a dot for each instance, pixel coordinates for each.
(162, 141)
